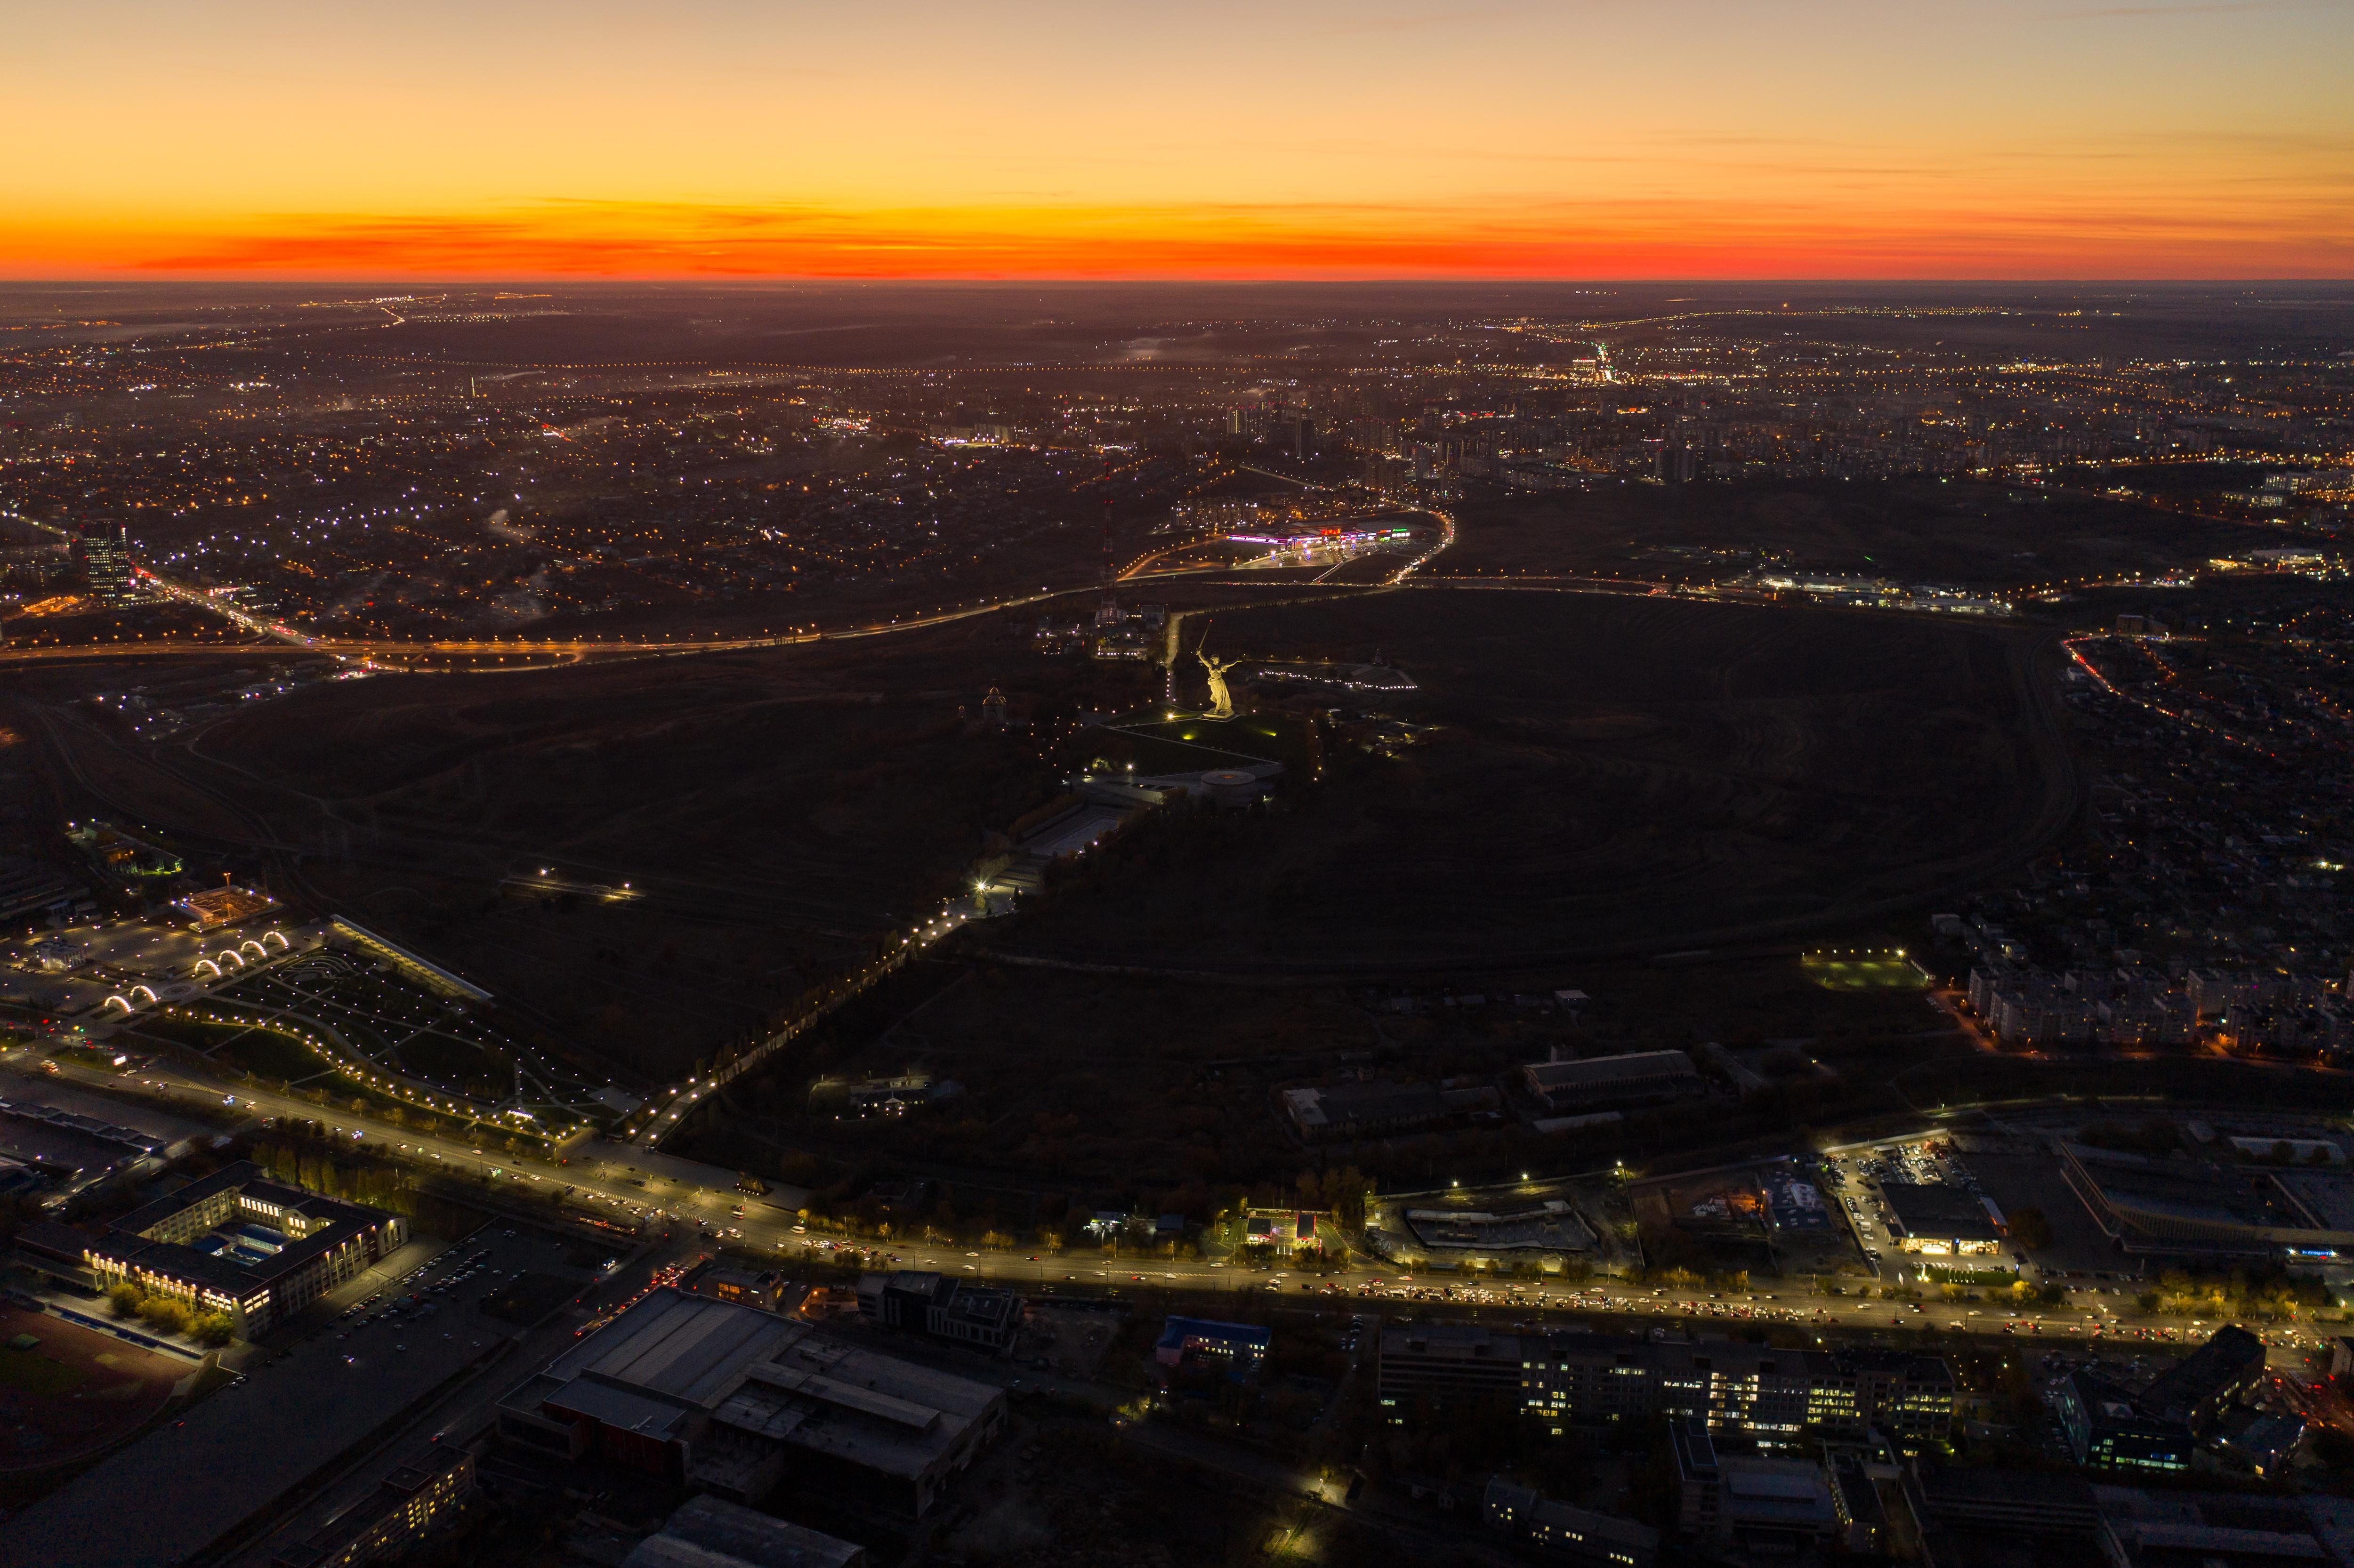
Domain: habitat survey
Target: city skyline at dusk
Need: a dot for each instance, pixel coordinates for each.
(719, 140)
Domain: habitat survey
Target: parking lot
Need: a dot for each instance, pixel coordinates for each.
(431, 1287)
(1856, 1176)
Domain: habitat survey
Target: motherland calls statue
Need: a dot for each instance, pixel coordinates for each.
(1221, 702)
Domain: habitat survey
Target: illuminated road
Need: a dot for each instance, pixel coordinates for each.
(388, 653)
(604, 1179)
(525, 653)
(1446, 539)
(2190, 721)
(671, 1107)
(1307, 552)
(392, 652)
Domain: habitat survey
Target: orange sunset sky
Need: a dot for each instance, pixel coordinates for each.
(1191, 138)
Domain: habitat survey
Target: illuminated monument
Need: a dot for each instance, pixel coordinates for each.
(1221, 702)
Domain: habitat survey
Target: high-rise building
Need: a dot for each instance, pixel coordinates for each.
(105, 559)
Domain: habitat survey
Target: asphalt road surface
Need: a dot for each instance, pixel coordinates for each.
(660, 1193)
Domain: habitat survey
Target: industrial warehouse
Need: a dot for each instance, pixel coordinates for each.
(1641, 1077)
(739, 1401)
(239, 1243)
(2205, 1210)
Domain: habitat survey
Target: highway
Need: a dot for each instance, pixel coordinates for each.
(539, 654)
(659, 1194)
(378, 649)
(392, 654)
(1438, 548)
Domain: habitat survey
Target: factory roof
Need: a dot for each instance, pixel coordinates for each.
(760, 1374)
(1601, 1071)
(1321, 1107)
(1602, 1080)
(1790, 1492)
(872, 1409)
(2153, 1529)
(686, 1350)
(711, 1533)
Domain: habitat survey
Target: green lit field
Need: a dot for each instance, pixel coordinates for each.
(1861, 969)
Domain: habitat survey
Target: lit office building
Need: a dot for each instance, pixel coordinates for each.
(409, 1504)
(239, 1243)
(105, 559)
(1567, 1379)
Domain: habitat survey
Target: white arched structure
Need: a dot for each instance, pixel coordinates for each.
(278, 938)
(231, 957)
(118, 997)
(150, 989)
(204, 964)
(258, 950)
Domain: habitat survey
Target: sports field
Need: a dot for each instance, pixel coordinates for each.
(1863, 971)
(67, 1392)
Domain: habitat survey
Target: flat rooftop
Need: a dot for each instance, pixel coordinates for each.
(861, 1405)
(1597, 1072)
(1929, 1209)
(2197, 1192)
(767, 1376)
(711, 1533)
(686, 1350)
(236, 1271)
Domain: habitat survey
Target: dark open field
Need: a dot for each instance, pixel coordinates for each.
(769, 812)
(836, 784)
(1100, 1088)
(1962, 531)
(1603, 773)
(75, 1393)
(1607, 774)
